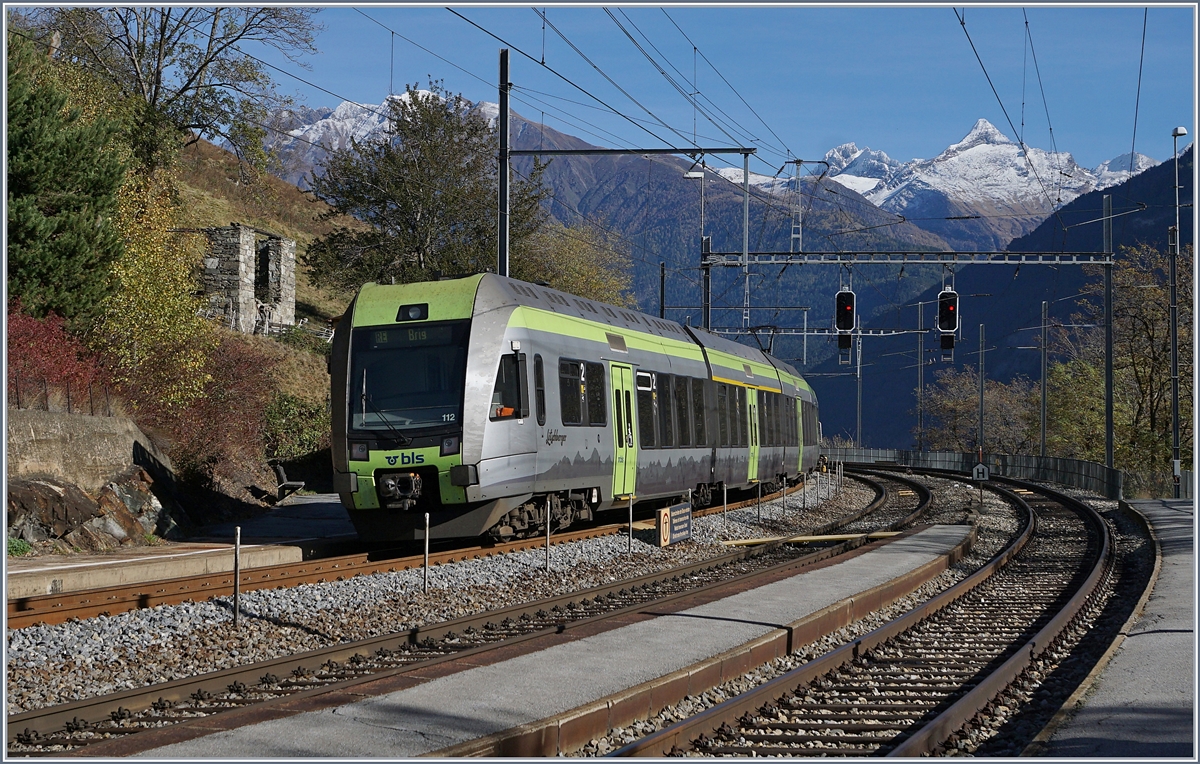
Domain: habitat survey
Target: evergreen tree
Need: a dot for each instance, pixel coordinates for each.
(63, 177)
(426, 197)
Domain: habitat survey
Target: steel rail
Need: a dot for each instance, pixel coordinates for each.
(89, 603)
(930, 735)
(44, 721)
(678, 736)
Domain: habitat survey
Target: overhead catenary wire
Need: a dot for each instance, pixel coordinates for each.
(1045, 104)
(562, 77)
(720, 116)
(670, 80)
(962, 20)
(787, 150)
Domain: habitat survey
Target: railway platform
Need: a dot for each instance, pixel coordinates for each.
(291, 532)
(1142, 704)
(438, 709)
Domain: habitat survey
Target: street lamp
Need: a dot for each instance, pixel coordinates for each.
(1173, 253)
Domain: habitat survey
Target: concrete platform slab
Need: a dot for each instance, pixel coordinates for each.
(487, 699)
(289, 532)
(1143, 703)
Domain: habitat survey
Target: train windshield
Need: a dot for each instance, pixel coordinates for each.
(408, 377)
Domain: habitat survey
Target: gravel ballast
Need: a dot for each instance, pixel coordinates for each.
(51, 665)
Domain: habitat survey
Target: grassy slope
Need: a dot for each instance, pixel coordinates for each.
(212, 196)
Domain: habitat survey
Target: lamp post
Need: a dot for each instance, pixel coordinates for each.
(1173, 254)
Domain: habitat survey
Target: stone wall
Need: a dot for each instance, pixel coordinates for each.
(86, 451)
(229, 275)
(250, 281)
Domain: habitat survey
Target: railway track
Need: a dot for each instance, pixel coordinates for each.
(59, 608)
(103, 724)
(909, 687)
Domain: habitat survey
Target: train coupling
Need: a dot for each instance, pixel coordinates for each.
(400, 490)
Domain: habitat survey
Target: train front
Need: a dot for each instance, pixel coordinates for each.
(398, 375)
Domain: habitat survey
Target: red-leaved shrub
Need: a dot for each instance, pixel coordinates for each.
(44, 358)
(223, 428)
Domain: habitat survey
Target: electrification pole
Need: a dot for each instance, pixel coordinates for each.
(1108, 335)
(1045, 320)
(662, 289)
(502, 119)
(858, 373)
(979, 443)
(1174, 254)
(746, 237)
(920, 377)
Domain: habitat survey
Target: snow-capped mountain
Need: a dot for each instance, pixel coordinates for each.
(313, 133)
(994, 190)
(1116, 170)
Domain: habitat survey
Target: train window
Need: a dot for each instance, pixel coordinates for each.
(662, 400)
(646, 413)
(723, 414)
(594, 391)
(509, 397)
(773, 419)
(739, 409)
(681, 412)
(570, 391)
(789, 421)
(539, 390)
(698, 409)
(764, 417)
(618, 422)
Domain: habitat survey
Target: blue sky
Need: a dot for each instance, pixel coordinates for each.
(900, 79)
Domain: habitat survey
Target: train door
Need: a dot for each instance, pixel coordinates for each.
(752, 411)
(624, 432)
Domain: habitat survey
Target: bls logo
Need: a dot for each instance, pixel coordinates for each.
(406, 459)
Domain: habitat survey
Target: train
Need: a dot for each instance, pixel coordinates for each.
(500, 407)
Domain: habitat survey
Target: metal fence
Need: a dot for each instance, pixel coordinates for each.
(38, 393)
(1089, 476)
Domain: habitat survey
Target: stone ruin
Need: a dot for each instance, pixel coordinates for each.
(250, 278)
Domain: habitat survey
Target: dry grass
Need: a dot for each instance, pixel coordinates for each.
(299, 372)
(213, 195)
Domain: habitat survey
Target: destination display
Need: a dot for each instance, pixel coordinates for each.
(411, 336)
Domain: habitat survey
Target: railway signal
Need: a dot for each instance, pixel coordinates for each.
(948, 311)
(843, 321)
(844, 312)
(948, 321)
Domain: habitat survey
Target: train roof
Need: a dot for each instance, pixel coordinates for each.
(491, 292)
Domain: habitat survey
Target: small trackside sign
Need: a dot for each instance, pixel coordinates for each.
(674, 524)
(980, 473)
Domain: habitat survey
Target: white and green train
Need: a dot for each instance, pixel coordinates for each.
(497, 406)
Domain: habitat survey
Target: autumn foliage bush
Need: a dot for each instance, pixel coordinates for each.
(216, 434)
(44, 358)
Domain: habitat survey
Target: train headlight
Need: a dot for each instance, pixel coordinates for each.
(418, 312)
(360, 452)
(449, 446)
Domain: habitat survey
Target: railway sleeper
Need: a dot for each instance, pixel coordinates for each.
(785, 751)
(797, 739)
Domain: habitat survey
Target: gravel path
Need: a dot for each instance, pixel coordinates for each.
(51, 665)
